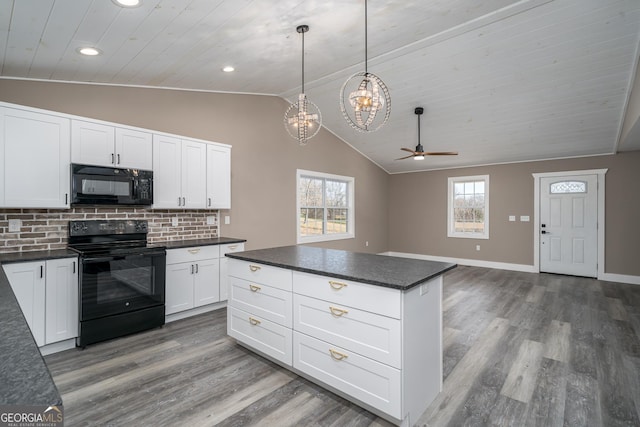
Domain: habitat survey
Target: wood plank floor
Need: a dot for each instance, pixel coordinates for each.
(520, 349)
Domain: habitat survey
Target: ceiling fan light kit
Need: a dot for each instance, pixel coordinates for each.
(303, 119)
(419, 153)
(365, 101)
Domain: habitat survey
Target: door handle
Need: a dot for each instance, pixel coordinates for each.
(196, 268)
(118, 158)
(179, 204)
(41, 271)
(184, 202)
(209, 201)
(74, 267)
(113, 160)
(191, 268)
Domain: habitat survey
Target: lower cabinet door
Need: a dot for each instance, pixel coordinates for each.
(179, 287)
(371, 382)
(206, 282)
(263, 335)
(61, 305)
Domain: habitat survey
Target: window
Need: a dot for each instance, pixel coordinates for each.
(324, 207)
(565, 187)
(468, 206)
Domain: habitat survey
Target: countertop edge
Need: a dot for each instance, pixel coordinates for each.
(290, 266)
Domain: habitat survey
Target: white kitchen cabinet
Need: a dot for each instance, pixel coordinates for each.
(61, 306)
(224, 266)
(218, 177)
(192, 279)
(259, 311)
(47, 292)
(35, 159)
(105, 145)
(179, 173)
(378, 346)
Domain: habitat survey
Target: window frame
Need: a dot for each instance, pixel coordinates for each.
(450, 211)
(351, 225)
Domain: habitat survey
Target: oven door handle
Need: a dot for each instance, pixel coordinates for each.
(89, 260)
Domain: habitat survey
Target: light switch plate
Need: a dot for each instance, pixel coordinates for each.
(15, 225)
(227, 219)
(524, 218)
(174, 221)
(512, 218)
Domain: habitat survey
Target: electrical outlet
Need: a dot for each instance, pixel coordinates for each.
(211, 220)
(15, 225)
(512, 218)
(174, 221)
(524, 218)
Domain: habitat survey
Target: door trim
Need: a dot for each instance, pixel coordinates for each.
(536, 213)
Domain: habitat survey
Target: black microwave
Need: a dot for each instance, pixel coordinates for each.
(100, 185)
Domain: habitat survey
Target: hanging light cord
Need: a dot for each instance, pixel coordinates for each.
(303, 61)
(366, 60)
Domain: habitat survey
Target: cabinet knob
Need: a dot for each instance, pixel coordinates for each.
(337, 312)
(336, 355)
(254, 268)
(254, 288)
(337, 285)
(253, 321)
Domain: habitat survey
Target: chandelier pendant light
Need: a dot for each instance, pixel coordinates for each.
(302, 119)
(364, 98)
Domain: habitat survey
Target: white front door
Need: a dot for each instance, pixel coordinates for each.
(569, 225)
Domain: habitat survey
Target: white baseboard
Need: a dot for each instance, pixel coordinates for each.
(610, 277)
(58, 346)
(469, 262)
(621, 278)
(194, 311)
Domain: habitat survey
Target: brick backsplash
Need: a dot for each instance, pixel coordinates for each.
(44, 229)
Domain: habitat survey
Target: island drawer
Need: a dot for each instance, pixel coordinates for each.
(371, 382)
(376, 299)
(230, 248)
(261, 334)
(261, 274)
(261, 300)
(175, 256)
(371, 335)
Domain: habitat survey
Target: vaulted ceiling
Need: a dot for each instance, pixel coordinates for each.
(500, 80)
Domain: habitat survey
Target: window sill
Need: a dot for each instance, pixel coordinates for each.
(324, 238)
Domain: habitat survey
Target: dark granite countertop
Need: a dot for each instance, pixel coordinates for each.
(24, 376)
(177, 244)
(7, 258)
(380, 270)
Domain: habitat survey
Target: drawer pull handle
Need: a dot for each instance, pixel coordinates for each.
(254, 268)
(193, 251)
(254, 288)
(233, 247)
(337, 285)
(336, 355)
(253, 321)
(337, 312)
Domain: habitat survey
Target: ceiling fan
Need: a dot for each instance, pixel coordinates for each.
(419, 153)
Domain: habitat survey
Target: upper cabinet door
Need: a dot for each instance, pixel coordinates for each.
(36, 170)
(194, 174)
(134, 149)
(167, 153)
(218, 177)
(92, 143)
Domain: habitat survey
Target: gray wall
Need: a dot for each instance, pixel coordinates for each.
(403, 213)
(418, 217)
(264, 156)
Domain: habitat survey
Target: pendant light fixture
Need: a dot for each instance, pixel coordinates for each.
(303, 118)
(364, 98)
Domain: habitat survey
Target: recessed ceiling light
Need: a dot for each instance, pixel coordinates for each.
(89, 51)
(128, 3)
(228, 69)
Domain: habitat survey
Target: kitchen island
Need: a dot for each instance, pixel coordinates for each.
(367, 327)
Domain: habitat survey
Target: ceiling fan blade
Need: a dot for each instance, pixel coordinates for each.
(440, 153)
(408, 149)
(402, 158)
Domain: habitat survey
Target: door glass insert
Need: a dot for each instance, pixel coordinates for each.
(565, 187)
